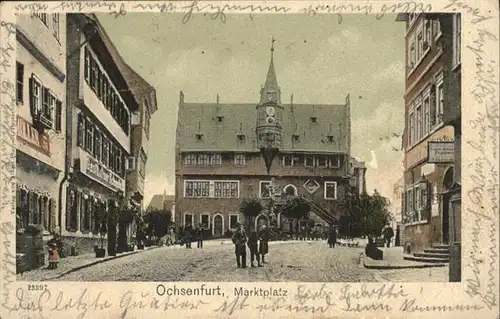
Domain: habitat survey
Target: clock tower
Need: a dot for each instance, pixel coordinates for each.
(269, 115)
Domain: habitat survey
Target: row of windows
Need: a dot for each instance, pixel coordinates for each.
(421, 41)
(206, 222)
(321, 161)
(44, 104)
(426, 111)
(230, 189)
(96, 143)
(427, 33)
(54, 21)
(97, 79)
(33, 209)
(271, 136)
(82, 205)
(211, 189)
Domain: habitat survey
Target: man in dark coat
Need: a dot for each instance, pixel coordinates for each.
(239, 240)
(199, 235)
(263, 242)
(332, 236)
(388, 233)
(188, 236)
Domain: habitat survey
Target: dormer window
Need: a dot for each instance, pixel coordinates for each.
(220, 118)
(241, 138)
(314, 119)
(295, 138)
(330, 138)
(199, 137)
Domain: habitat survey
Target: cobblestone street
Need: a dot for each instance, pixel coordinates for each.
(287, 261)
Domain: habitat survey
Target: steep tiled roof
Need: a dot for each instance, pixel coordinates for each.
(159, 201)
(202, 118)
(271, 80)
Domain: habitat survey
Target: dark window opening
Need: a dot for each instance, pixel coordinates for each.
(20, 82)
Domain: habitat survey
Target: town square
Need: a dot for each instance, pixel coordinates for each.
(254, 150)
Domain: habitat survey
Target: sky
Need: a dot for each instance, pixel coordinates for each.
(317, 60)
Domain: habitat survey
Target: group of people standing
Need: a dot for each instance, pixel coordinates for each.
(189, 234)
(258, 244)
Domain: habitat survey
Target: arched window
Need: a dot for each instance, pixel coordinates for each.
(290, 190)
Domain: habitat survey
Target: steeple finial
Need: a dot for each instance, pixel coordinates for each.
(272, 47)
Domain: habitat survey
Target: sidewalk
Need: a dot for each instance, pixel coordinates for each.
(71, 264)
(393, 259)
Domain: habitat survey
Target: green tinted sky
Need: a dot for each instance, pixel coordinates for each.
(316, 59)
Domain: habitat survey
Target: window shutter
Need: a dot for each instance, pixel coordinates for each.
(68, 208)
(87, 64)
(80, 130)
(32, 96)
(80, 210)
(31, 206)
(58, 115)
(403, 206)
(53, 213)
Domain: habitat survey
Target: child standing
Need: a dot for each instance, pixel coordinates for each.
(253, 246)
(53, 256)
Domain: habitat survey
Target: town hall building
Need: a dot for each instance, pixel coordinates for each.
(219, 160)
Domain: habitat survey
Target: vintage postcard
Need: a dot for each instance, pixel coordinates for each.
(256, 159)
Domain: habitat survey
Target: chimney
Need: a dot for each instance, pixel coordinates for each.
(291, 100)
(181, 97)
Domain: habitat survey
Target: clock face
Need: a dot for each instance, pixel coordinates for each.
(272, 96)
(270, 111)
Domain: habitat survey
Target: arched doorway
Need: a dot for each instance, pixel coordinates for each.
(447, 184)
(261, 220)
(218, 225)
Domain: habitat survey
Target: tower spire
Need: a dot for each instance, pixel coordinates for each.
(271, 81)
(270, 92)
(272, 48)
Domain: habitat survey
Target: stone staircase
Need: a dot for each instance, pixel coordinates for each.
(438, 253)
(319, 211)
